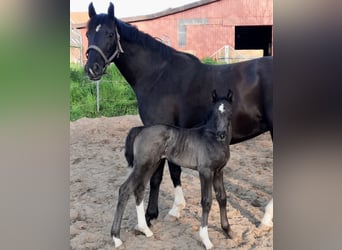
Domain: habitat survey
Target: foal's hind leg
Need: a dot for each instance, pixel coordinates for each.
(179, 202)
(125, 191)
(206, 201)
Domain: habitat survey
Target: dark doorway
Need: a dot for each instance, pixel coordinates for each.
(254, 37)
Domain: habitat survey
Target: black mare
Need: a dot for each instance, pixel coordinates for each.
(174, 88)
(204, 148)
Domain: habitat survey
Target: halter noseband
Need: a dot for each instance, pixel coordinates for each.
(116, 53)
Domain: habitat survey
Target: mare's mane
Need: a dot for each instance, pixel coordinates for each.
(132, 34)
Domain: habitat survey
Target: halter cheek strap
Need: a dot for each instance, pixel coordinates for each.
(116, 53)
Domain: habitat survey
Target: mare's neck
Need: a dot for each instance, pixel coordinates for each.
(142, 58)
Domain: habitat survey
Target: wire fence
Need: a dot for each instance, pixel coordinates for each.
(112, 96)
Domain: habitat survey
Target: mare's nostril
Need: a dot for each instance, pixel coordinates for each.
(97, 68)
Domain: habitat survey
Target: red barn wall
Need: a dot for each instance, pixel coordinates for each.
(222, 16)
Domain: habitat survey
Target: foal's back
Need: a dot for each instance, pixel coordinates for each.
(190, 148)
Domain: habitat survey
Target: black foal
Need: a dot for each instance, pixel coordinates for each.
(205, 149)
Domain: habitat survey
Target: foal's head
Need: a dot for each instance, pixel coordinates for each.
(221, 115)
(103, 42)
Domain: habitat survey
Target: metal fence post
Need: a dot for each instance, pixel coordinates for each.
(98, 96)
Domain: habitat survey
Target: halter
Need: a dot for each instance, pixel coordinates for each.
(116, 53)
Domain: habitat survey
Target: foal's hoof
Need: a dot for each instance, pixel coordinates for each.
(234, 236)
(117, 242)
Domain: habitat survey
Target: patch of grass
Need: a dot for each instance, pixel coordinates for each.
(116, 95)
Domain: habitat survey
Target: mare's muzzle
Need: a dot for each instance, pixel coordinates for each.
(95, 71)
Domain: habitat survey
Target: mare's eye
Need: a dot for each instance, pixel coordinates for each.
(111, 34)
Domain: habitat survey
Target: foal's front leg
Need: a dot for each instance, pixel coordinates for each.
(206, 201)
(221, 198)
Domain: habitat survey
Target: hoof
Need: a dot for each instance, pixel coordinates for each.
(176, 210)
(170, 218)
(151, 216)
(209, 245)
(117, 242)
(265, 223)
(203, 233)
(144, 230)
(231, 234)
(262, 230)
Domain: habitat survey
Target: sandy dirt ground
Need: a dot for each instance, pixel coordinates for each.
(98, 168)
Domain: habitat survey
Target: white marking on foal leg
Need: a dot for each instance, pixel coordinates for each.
(268, 216)
(203, 233)
(142, 225)
(179, 202)
(117, 242)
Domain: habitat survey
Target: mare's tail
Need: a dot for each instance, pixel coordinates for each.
(129, 154)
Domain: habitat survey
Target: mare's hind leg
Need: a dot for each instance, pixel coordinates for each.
(152, 207)
(179, 202)
(206, 201)
(221, 198)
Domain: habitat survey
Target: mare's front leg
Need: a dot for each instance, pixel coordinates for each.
(139, 201)
(152, 207)
(179, 202)
(221, 198)
(206, 201)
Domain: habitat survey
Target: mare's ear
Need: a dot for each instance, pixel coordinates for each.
(230, 96)
(111, 10)
(91, 10)
(214, 95)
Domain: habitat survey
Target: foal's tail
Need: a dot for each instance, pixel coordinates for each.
(129, 154)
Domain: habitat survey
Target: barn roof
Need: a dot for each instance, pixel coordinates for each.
(168, 11)
(80, 19)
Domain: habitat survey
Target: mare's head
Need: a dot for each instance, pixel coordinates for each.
(221, 115)
(103, 42)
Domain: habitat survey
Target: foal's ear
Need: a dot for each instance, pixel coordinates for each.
(91, 10)
(111, 10)
(230, 96)
(214, 95)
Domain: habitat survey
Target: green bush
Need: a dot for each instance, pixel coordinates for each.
(209, 60)
(116, 95)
